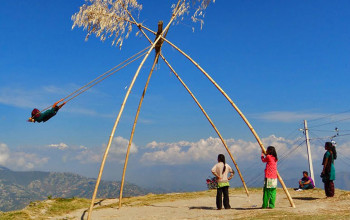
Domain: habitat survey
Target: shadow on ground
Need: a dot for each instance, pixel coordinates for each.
(249, 208)
(305, 198)
(202, 208)
(96, 203)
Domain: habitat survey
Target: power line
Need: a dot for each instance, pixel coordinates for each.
(341, 157)
(319, 125)
(327, 116)
(323, 130)
(288, 154)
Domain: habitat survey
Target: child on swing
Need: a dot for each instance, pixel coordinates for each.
(270, 183)
(220, 171)
(38, 116)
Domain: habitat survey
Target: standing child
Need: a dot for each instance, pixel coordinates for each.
(220, 171)
(270, 182)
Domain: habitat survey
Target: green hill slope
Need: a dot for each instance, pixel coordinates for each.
(18, 189)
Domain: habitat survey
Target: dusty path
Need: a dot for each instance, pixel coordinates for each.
(308, 203)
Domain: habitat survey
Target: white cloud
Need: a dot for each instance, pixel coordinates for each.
(119, 146)
(83, 147)
(56, 90)
(39, 97)
(42, 97)
(89, 112)
(116, 152)
(184, 152)
(286, 117)
(4, 154)
(280, 116)
(60, 146)
(18, 97)
(28, 161)
(20, 160)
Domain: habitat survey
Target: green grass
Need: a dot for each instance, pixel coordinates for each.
(43, 209)
(15, 215)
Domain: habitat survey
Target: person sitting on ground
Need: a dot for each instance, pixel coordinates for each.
(306, 182)
(38, 116)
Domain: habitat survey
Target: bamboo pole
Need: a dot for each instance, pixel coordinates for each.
(160, 27)
(210, 121)
(132, 133)
(199, 105)
(228, 98)
(120, 113)
(238, 111)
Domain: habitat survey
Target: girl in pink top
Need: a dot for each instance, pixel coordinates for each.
(270, 183)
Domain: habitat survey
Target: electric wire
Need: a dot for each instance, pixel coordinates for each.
(319, 125)
(327, 116)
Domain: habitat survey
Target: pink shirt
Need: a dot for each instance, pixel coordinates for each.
(271, 166)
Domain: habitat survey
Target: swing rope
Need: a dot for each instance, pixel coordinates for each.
(102, 77)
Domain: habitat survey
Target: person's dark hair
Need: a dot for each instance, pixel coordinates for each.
(35, 113)
(305, 172)
(221, 158)
(272, 151)
(330, 146)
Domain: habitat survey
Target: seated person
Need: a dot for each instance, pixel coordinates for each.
(306, 182)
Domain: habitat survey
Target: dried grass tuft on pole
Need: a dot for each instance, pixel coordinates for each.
(106, 18)
(110, 18)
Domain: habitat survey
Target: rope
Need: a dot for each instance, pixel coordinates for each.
(107, 76)
(104, 75)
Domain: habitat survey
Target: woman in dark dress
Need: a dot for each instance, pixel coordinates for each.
(328, 172)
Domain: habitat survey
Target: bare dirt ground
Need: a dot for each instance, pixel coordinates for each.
(309, 204)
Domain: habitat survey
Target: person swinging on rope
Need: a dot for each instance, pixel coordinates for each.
(38, 116)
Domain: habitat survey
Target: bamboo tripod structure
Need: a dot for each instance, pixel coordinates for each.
(229, 99)
(194, 98)
(160, 38)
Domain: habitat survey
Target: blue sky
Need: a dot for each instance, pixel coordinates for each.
(280, 61)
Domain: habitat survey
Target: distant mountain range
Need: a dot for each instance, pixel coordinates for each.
(18, 189)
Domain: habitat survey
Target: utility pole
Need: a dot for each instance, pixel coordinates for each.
(311, 168)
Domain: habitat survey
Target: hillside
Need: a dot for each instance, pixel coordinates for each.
(18, 189)
(195, 205)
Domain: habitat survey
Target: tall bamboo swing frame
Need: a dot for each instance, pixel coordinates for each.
(159, 41)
